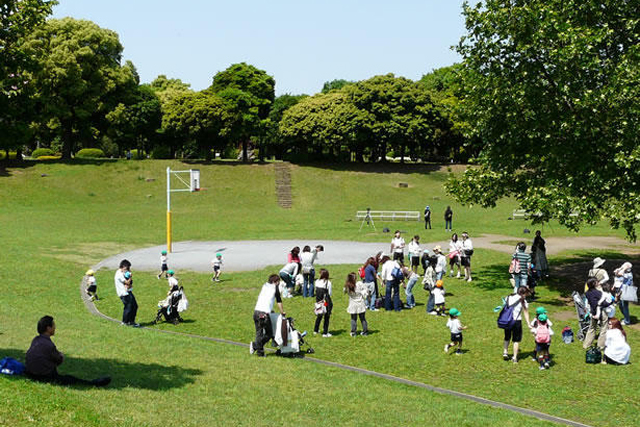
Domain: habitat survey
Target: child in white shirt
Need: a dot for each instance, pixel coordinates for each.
(216, 263)
(438, 298)
(456, 329)
(163, 265)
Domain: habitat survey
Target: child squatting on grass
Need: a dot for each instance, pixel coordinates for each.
(456, 329)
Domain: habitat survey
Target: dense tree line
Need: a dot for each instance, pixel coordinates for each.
(64, 87)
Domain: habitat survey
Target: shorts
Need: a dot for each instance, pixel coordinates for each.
(465, 261)
(542, 347)
(92, 288)
(398, 256)
(456, 337)
(216, 268)
(164, 267)
(514, 334)
(415, 261)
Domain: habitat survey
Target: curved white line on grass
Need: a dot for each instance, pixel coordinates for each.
(529, 412)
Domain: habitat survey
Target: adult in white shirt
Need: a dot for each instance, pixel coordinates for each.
(520, 308)
(616, 348)
(397, 247)
(465, 255)
(414, 253)
(455, 246)
(269, 294)
(125, 292)
(393, 284)
(307, 258)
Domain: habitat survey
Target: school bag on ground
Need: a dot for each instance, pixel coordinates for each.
(567, 335)
(505, 318)
(593, 355)
(11, 366)
(543, 335)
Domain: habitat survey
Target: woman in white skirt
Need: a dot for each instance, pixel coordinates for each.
(358, 293)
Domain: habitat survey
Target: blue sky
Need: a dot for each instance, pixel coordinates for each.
(300, 43)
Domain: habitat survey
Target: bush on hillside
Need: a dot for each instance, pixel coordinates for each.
(161, 152)
(49, 157)
(39, 152)
(90, 153)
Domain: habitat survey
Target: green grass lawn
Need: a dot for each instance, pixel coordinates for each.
(55, 226)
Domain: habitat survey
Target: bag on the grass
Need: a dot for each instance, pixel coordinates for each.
(379, 303)
(567, 335)
(593, 355)
(11, 366)
(505, 318)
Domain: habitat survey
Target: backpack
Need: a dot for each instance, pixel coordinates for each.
(361, 272)
(396, 273)
(505, 318)
(514, 267)
(593, 355)
(543, 335)
(567, 335)
(11, 366)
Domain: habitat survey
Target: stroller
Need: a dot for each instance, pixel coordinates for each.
(288, 340)
(583, 313)
(171, 307)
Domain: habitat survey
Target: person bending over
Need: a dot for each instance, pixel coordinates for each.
(43, 359)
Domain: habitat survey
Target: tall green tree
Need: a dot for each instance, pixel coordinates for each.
(79, 79)
(18, 18)
(335, 84)
(273, 137)
(552, 89)
(324, 121)
(199, 117)
(403, 115)
(248, 93)
(136, 121)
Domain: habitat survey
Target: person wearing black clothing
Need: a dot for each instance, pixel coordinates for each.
(43, 359)
(448, 218)
(599, 319)
(269, 294)
(427, 218)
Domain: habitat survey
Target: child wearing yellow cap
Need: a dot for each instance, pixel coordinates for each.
(92, 287)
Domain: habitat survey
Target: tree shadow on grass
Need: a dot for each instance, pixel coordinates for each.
(148, 376)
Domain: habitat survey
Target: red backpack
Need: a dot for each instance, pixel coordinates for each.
(361, 272)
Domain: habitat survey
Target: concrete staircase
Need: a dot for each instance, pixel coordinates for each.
(283, 184)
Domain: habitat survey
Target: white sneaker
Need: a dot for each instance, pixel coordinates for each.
(446, 348)
(327, 335)
(469, 279)
(251, 350)
(458, 276)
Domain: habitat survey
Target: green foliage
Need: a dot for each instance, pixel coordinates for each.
(336, 84)
(551, 89)
(248, 94)
(166, 88)
(18, 18)
(79, 78)
(38, 152)
(138, 154)
(199, 116)
(90, 153)
(161, 152)
(3, 155)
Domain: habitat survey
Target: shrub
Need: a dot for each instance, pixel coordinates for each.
(39, 152)
(49, 157)
(90, 153)
(230, 152)
(138, 154)
(161, 152)
(3, 155)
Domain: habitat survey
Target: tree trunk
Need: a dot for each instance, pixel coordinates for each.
(67, 143)
(245, 155)
(402, 147)
(18, 155)
(383, 153)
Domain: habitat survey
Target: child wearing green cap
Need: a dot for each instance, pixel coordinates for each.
(541, 328)
(216, 263)
(172, 281)
(163, 265)
(456, 329)
(534, 324)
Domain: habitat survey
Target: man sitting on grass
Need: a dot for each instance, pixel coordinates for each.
(43, 359)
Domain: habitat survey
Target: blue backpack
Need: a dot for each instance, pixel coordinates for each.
(396, 273)
(10, 366)
(505, 318)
